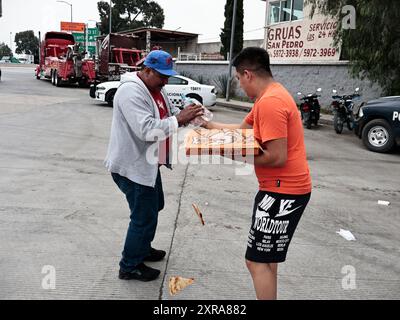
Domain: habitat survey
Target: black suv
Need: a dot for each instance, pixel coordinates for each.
(377, 123)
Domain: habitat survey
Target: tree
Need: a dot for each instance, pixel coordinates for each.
(130, 14)
(373, 47)
(5, 50)
(226, 31)
(27, 43)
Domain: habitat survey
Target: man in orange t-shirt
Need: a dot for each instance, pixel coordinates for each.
(282, 170)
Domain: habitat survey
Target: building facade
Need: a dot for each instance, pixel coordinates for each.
(302, 52)
(291, 35)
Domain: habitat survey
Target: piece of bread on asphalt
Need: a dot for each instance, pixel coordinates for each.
(198, 212)
(176, 284)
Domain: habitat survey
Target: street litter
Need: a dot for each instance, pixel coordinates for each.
(177, 283)
(384, 203)
(198, 212)
(346, 234)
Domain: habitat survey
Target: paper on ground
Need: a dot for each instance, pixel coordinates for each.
(384, 203)
(346, 234)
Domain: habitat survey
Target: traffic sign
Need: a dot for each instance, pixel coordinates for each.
(72, 26)
(92, 34)
(81, 39)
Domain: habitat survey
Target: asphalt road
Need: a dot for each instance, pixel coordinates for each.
(61, 214)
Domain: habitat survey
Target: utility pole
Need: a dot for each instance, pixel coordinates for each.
(266, 28)
(109, 34)
(228, 87)
(11, 42)
(40, 48)
(110, 16)
(70, 4)
(86, 39)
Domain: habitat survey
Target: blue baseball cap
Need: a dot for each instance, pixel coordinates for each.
(160, 61)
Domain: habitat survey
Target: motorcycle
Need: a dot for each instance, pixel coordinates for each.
(310, 108)
(343, 110)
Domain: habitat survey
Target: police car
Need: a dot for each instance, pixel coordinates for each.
(176, 87)
(377, 123)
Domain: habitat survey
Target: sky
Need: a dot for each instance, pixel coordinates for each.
(204, 17)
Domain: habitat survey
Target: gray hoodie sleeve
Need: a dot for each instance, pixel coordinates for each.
(137, 107)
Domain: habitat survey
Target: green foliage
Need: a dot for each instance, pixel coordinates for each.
(226, 31)
(130, 14)
(27, 43)
(221, 82)
(198, 78)
(373, 48)
(201, 79)
(5, 51)
(186, 74)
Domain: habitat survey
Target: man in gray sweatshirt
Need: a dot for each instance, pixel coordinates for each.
(143, 122)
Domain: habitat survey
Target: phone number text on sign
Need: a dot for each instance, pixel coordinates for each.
(303, 53)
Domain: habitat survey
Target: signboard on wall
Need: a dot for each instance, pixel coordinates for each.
(303, 41)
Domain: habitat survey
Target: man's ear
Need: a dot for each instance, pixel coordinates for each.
(248, 75)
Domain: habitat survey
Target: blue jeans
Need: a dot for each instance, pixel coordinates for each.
(144, 204)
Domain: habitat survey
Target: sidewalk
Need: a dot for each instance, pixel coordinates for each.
(246, 106)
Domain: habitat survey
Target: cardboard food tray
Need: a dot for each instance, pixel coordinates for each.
(221, 142)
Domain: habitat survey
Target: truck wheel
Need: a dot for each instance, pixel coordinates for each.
(57, 80)
(52, 77)
(110, 97)
(337, 124)
(378, 136)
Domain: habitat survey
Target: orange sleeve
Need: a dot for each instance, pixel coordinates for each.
(272, 118)
(250, 117)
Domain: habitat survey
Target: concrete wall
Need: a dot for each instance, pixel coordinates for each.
(209, 47)
(208, 70)
(212, 47)
(295, 77)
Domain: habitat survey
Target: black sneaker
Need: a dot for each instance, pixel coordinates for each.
(141, 272)
(155, 255)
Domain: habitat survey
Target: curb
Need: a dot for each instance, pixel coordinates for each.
(234, 106)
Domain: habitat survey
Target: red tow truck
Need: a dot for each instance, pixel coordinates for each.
(61, 61)
(118, 54)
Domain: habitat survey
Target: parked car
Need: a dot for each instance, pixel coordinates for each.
(377, 123)
(176, 87)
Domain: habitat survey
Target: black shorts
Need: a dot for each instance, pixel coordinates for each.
(275, 218)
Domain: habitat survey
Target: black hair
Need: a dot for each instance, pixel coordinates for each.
(254, 59)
